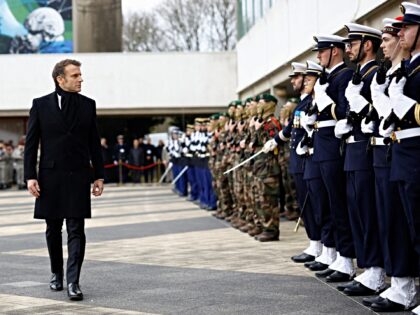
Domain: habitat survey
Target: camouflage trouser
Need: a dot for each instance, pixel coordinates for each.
(266, 190)
(224, 203)
(240, 189)
(230, 162)
(215, 172)
(249, 213)
(288, 182)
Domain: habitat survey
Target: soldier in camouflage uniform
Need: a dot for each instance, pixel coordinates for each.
(225, 202)
(240, 173)
(230, 158)
(290, 198)
(213, 134)
(253, 226)
(266, 171)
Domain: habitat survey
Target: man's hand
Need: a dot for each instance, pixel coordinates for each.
(98, 187)
(33, 187)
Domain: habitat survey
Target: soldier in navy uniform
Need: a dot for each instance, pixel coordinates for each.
(294, 133)
(188, 149)
(174, 150)
(404, 95)
(400, 260)
(362, 46)
(330, 105)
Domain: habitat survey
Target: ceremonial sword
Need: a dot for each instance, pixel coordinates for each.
(301, 213)
(179, 175)
(244, 162)
(166, 172)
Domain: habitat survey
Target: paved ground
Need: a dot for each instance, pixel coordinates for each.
(151, 252)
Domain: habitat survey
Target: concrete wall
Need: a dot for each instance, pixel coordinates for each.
(285, 34)
(97, 25)
(126, 83)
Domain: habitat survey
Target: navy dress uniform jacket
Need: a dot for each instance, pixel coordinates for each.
(295, 132)
(405, 154)
(325, 138)
(358, 155)
(67, 152)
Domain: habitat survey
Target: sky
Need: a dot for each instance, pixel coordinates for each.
(138, 5)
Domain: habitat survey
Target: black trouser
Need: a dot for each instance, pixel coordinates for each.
(148, 174)
(76, 243)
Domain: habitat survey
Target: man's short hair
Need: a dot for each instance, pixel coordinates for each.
(59, 67)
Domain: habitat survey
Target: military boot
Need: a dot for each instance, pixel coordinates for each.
(247, 227)
(238, 223)
(268, 236)
(255, 231)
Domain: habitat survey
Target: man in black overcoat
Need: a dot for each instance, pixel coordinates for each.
(63, 125)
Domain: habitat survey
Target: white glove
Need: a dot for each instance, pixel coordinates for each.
(270, 145)
(356, 101)
(307, 122)
(386, 133)
(342, 127)
(368, 128)
(185, 150)
(301, 150)
(321, 97)
(400, 103)
(380, 100)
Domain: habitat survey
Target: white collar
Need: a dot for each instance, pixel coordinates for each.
(336, 66)
(414, 57)
(303, 96)
(364, 65)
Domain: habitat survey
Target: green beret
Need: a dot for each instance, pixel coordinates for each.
(268, 98)
(293, 100)
(249, 100)
(257, 98)
(214, 116)
(235, 103)
(224, 114)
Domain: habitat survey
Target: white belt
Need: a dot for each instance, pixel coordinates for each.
(377, 141)
(325, 123)
(352, 140)
(407, 133)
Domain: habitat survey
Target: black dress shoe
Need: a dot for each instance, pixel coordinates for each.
(338, 276)
(318, 266)
(309, 263)
(370, 300)
(74, 292)
(324, 273)
(302, 258)
(343, 286)
(56, 283)
(358, 289)
(385, 305)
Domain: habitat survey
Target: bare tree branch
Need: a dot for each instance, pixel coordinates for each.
(183, 25)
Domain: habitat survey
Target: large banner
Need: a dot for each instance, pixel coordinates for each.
(36, 26)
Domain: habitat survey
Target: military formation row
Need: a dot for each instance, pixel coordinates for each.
(354, 150)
